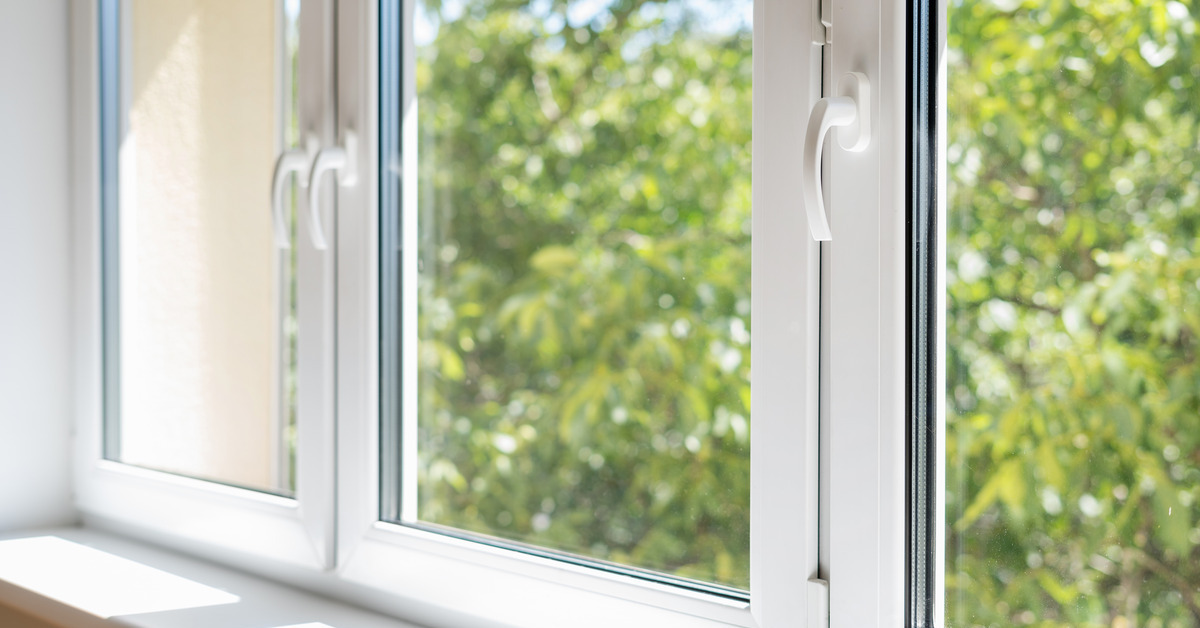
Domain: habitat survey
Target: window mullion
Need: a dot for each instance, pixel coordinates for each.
(316, 283)
(358, 294)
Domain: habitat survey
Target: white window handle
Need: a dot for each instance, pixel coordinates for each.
(850, 109)
(294, 160)
(343, 159)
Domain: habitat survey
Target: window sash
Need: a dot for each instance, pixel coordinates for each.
(173, 508)
(783, 439)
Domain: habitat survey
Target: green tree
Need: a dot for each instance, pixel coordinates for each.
(1074, 308)
(584, 213)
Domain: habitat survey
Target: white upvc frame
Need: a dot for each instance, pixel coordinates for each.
(868, 306)
(192, 513)
(444, 580)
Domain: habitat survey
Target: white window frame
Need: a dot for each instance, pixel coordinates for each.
(330, 538)
(514, 588)
(164, 506)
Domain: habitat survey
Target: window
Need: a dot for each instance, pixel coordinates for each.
(200, 303)
(216, 383)
(478, 348)
(534, 451)
(578, 258)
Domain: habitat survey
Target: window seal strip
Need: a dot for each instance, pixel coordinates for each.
(110, 114)
(922, 343)
(390, 247)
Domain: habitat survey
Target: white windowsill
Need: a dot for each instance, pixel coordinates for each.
(86, 578)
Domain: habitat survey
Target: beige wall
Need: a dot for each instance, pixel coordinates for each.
(198, 287)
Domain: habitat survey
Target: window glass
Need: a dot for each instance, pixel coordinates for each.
(581, 344)
(1073, 389)
(200, 302)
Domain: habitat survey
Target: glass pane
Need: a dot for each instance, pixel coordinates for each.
(1073, 393)
(206, 302)
(583, 216)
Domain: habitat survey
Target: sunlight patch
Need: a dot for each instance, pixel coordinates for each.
(97, 582)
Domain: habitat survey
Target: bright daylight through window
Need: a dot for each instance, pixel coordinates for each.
(571, 277)
(1073, 314)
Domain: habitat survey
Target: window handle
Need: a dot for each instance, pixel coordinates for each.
(850, 109)
(343, 159)
(294, 160)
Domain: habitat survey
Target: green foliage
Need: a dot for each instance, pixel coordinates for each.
(1074, 308)
(584, 297)
(584, 305)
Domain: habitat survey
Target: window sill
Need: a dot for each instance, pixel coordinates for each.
(85, 578)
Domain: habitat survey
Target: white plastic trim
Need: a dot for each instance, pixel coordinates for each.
(866, 322)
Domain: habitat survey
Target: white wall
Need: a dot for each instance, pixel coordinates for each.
(35, 326)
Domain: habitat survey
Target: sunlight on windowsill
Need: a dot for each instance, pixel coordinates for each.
(100, 583)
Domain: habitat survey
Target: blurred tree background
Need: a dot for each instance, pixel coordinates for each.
(1074, 308)
(584, 292)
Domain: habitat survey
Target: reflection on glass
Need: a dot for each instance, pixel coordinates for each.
(207, 303)
(1073, 394)
(584, 276)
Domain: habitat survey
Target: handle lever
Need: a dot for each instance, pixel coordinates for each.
(294, 160)
(343, 159)
(852, 110)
